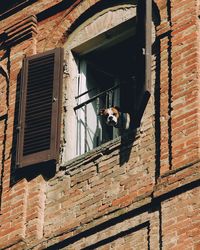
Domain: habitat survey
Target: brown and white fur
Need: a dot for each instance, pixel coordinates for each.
(116, 118)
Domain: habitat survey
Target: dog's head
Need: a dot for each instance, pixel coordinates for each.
(111, 115)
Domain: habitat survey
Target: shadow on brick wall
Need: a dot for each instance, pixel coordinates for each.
(157, 104)
(154, 206)
(5, 72)
(157, 51)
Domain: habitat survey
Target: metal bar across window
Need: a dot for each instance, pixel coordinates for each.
(95, 97)
(86, 92)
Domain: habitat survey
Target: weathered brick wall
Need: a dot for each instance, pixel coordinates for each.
(180, 220)
(138, 192)
(179, 84)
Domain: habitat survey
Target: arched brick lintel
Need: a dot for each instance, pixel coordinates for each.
(76, 16)
(81, 11)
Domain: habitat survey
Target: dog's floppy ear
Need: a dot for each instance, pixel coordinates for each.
(101, 112)
(117, 108)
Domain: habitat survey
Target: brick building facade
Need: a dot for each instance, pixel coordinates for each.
(139, 190)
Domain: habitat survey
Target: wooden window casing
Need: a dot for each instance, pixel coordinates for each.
(40, 108)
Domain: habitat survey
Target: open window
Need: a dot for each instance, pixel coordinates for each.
(109, 66)
(105, 79)
(109, 69)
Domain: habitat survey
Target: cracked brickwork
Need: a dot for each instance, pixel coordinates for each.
(140, 191)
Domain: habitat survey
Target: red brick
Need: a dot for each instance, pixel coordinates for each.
(62, 209)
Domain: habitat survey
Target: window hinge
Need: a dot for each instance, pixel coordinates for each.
(55, 99)
(65, 68)
(18, 128)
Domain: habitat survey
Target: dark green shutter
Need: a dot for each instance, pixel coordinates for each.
(40, 108)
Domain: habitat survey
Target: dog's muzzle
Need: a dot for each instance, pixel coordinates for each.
(111, 121)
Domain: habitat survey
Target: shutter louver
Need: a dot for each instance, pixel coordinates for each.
(40, 103)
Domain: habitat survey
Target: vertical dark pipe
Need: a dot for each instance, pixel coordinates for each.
(144, 37)
(148, 50)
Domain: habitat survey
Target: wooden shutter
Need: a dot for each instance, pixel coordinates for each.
(144, 46)
(40, 108)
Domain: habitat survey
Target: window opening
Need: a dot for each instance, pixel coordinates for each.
(106, 78)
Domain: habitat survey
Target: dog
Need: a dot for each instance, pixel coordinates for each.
(115, 118)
